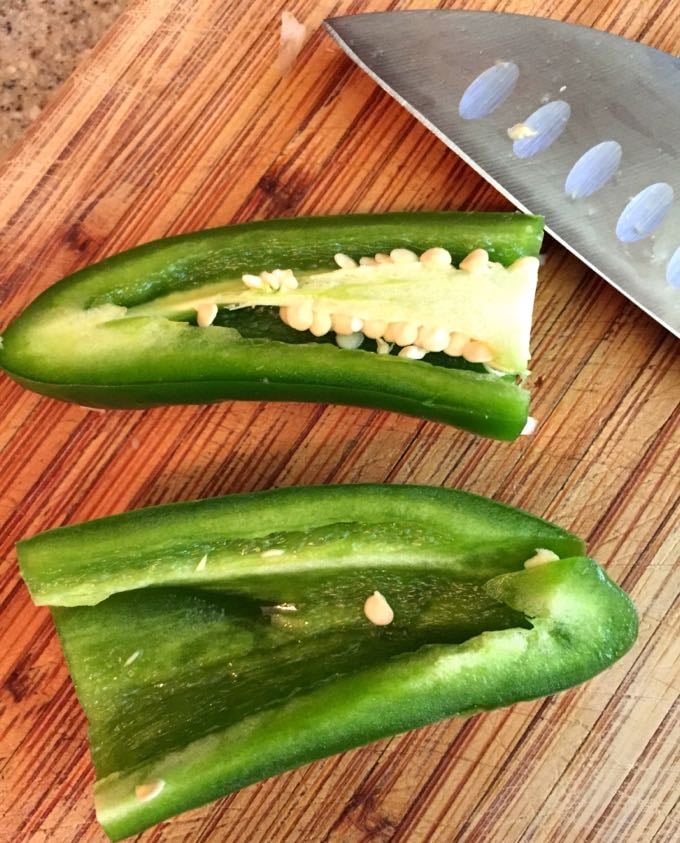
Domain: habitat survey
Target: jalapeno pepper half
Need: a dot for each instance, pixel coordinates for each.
(423, 313)
(219, 642)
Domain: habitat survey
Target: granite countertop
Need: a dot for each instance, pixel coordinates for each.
(41, 42)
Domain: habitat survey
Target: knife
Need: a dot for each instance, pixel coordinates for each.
(578, 125)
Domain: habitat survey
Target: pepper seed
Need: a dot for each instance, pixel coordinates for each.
(378, 610)
(344, 261)
(149, 790)
(541, 557)
(205, 314)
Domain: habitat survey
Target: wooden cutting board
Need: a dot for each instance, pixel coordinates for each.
(179, 120)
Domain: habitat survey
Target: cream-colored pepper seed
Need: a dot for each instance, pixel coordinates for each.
(344, 261)
(300, 316)
(389, 332)
(205, 314)
(271, 279)
(374, 328)
(366, 261)
(287, 279)
(149, 790)
(412, 352)
(377, 610)
(346, 324)
(433, 339)
(520, 131)
(403, 256)
(321, 324)
(528, 265)
(457, 343)
(476, 261)
(381, 257)
(475, 351)
(252, 281)
(436, 257)
(541, 557)
(349, 341)
(404, 333)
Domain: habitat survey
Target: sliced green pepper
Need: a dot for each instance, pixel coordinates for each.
(215, 643)
(125, 332)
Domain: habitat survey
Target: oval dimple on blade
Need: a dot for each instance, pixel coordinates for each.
(644, 213)
(488, 91)
(546, 124)
(593, 170)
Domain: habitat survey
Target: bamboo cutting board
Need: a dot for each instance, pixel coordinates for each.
(179, 120)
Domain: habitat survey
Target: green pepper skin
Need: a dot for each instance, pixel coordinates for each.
(194, 671)
(52, 348)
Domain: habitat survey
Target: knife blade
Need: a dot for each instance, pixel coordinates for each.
(579, 125)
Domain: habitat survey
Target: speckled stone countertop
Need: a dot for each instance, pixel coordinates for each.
(41, 42)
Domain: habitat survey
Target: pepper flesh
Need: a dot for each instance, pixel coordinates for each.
(215, 643)
(91, 339)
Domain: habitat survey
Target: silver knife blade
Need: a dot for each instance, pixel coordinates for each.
(595, 93)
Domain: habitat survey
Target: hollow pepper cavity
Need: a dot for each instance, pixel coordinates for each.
(422, 313)
(216, 643)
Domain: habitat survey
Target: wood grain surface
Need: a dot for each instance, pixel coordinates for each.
(179, 120)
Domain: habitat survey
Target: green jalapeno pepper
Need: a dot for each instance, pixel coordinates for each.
(370, 310)
(219, 642)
